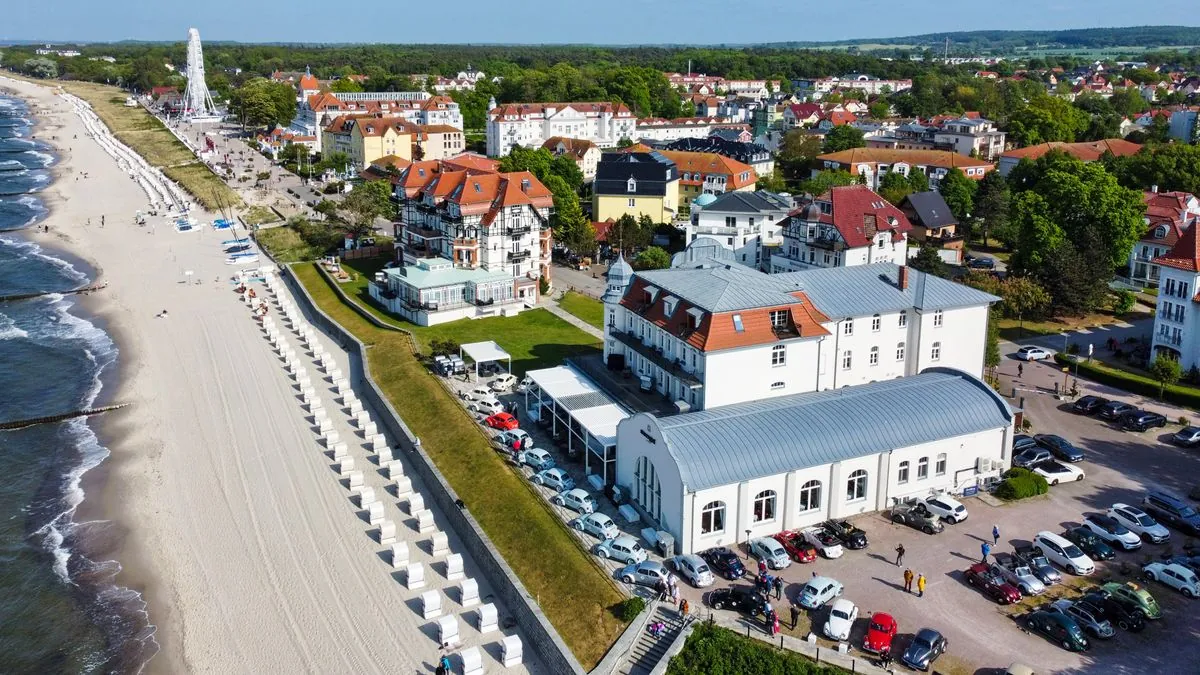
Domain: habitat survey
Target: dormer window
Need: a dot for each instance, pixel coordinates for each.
(1160, 232)
(669, 305)
(631, 185)
(779, 318)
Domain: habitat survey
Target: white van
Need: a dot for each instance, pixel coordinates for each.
(1063, 553)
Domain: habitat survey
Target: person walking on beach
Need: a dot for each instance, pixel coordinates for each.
(987, 549)
(908, 579)
(899, 555)
(996, 535)
(920, 585)
(778, 588)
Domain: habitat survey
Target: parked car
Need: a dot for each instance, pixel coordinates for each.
(576, 499)
(1039, 564)
(1090, 543)
(1056, 472)
(1063, 553)
(624, 549)
(1187, 437)
(947, 508)
(771, 552)
(1088, 405)
(1018, 575)
(1139, 523)
(1141, 420)
(1134, 596)
(1120, 614)
(744, 599)
(502, 421)
(1031, 456)
(881, 631)
(1114, 409)
(793, 542)
(503, 383)
(1110, 530)
(818, 591)
(480, 392)
(1173, 511)
(694, 569)
(1023, 442)
(505, 439)
(724, 562)
(524, 383)
(842, 616)
(926, 647)
(1191, 562)
(917, 516)
(597, 524)
(1090, 619)
(646, 573)
(981, 576)
(851, 537)
(486, 406)
(1059, 628)
(1181, 578)
(536, 458)
(1059, 447)
(556, 479)
(1031, 353)
(826, 544)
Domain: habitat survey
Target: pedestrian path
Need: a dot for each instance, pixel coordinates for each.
(555, 309)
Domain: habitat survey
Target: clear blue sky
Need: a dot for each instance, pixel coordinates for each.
(556, 21)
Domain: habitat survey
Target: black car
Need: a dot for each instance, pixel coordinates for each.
(850, 536)
(1124, 615)
(1059, 447)
(1023, 442)
(1089, 543)
(982, 263)
(724, 562)
(742, 598)
(1114, 409)
(1173, 511)
(924, 650)
(1089, 405)
(1191, 562)
(1141, 420)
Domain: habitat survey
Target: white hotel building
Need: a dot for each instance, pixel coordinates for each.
(532, 124)
(1177, 321)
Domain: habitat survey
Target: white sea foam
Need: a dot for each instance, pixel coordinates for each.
(31, 250)
(46, 158)
(9, 329)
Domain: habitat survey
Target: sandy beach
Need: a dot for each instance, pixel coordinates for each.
(229, 516)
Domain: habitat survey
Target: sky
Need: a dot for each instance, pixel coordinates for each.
(555, 21)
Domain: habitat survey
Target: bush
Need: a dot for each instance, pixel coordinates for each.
(1134, 383)
(1021, 483)
(1073, 349)
(629, 609)
(1123, 302)
(443, 347)
(711, 650)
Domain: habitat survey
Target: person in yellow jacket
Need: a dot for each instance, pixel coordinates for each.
(920, 585)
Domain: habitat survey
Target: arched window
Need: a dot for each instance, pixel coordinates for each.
(923, 468)
(712, 518)
(778, 355)
(941, 464)
(856, 486)
(875, 319)
(900, 351)
(764, 506)
(903, 318)
(810, 496)
(647, 490)
(935, 352)
(874, 356)
(902, 474)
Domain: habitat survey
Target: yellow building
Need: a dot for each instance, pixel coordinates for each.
(636, 183)
(366, 138)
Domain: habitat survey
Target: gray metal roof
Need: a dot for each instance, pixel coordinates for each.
(763, 438)
(723, 288)
(863, 290)
(748, 202)
(931, 209)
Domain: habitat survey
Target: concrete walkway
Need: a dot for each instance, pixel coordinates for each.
(557, 310)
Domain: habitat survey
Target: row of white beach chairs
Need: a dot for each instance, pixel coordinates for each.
(438, 545)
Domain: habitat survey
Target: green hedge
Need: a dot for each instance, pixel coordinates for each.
(711, 650)
(1132, 382)
(629, 608)
(1021, 483)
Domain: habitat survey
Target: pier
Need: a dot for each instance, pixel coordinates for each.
(87, 412)
(28, 296)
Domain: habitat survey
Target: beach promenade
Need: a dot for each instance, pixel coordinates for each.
(230, 517)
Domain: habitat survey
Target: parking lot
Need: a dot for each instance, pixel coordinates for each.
(982, 635)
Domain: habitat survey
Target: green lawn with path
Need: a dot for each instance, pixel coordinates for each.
(587, 309)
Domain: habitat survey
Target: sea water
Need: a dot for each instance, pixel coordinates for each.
(60, 611)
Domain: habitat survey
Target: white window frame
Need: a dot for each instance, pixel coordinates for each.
(940, 468)
(935, 352)
(856, 486)
(875, 322)
(923, 468)
(874, 358)
(810, 496)
(901, 473)
(763, 509)
(778, 356)
(848, 327)
(937, 318)
(847, 359)
(903, 321)
(713, 513)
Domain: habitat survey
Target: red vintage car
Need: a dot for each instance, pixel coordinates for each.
(980, 576)
(502, 421)
(880, 632)
(793, 542)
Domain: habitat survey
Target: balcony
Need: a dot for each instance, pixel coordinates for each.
(666, 363)
(518, 230)
(518, 256)
(423, 232)
(383, 291)
(785, 332)
(827, 243)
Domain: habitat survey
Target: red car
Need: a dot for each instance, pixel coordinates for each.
(793, 542)
(502, 421)
(980, 576)
(880, 633)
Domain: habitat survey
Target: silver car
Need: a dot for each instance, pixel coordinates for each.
(575, 499)
(596, 524)
(555, 479)
(694, 569)
(624, 549)
(646, 573)
(771, 552)
(1021, 577)
(537, 459)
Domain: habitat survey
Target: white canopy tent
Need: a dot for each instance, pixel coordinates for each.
(485, 352)
(577, 407)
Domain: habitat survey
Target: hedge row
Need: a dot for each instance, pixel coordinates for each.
(1131, 382)
(1021, 483)
(711, 650)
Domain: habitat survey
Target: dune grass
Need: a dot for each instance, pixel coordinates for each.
(573, 591)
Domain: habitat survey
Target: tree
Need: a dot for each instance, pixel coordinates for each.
(565, 167)
(959, 193)
(345, 85)
(918, 181)
(841, 138)
(365, 203)
(991, 355)
(894, 187)
(797, 152)
(261, 102)
(826, 180)
(1047, 118)
(625, 142)
(1023, 297)
(772, 182)
(927, 260)
(1171, 167)
(653, 258)
(879, 109)
(991, 208)
(573, 229)
(1165, 370)
(41, 67)
(627, 235)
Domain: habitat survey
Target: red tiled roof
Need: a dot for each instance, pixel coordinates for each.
(602, 227)
(472, 162)
(804, 110)
(1185, 254)
(576, 147)
(938, 158)
(1088, 151)
(855, 209)
(839, 117)
(710, 163)
(308, 82)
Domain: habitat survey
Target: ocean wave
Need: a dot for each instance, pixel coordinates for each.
(46, 158)
(11, 165)
(29, 249)
(9, 329)
(25, 206)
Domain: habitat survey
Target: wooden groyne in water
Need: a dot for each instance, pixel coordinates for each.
(20, 424)
(27, 296)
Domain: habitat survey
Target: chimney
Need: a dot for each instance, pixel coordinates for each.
(903, 278)
(869, 228)
(525, 185)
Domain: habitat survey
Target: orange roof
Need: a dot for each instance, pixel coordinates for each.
(710, 163)
(472, 161)
(839, 117)
(577, 147)
(391, 160)
(1089, 151)
(308, 82)
(439, 129)
(938, 158)
(371, 124)
(1185, 254)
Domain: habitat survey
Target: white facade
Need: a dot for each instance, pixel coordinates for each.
(532, 124)
(744, 233)
(673, 130)
(816, 246)
(1177, 322)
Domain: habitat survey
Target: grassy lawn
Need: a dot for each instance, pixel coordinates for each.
(257, 215)
(285, 244)
(571, 589)
(588, 309)
(1011, 329)
(712, 649)
(535, 338)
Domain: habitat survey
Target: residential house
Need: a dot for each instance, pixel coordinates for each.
(636, 183)
(366, 138)
(532, 124)
(1088, 151)
(317, 111)
(972, 137)
(874, 163)
(437, 141)
(1177, 318)
(1168, 216)
(709, 173)
(749, 224)
(802, 115)
(753, 154)
(657, 129)
(846, 226)
(933, 224)
(586, 154)
(867, 83)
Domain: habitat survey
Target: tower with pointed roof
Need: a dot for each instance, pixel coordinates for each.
(619, 275)
(1177, 321)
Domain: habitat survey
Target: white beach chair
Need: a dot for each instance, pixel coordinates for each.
(488, 618)
(512, 650)
(387, 533)
(439, 544)
(414, 578)
(431, 605)
(454, 566)
(400, 554)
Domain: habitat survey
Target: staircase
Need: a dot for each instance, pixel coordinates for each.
(648, 650)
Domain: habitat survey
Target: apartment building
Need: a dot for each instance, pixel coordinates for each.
(846, 226)
(1168, 216)
(317, 111)
(749, 224)
(1177, 321)
(636, 183)
(532, 124)
(585, 153)
(874, 163)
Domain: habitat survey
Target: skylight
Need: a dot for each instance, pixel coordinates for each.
(737, 323)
